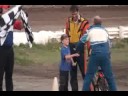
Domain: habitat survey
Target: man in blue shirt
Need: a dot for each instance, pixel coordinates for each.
(7, 53)
(100, 54)
(66, 61)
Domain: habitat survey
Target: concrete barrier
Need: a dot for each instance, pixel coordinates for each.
(43, 37)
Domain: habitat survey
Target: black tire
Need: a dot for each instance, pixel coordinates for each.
(94, 83)
(102, 84)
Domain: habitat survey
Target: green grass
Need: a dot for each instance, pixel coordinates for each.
(38, 54)
(120, 51)
(120, 55)
(50, 53)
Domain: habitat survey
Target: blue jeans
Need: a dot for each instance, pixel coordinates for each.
(102, 60)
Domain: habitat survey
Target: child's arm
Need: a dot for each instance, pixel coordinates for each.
(71, 56)
(73, 63)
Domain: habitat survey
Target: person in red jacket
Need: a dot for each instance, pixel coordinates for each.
(7, 53)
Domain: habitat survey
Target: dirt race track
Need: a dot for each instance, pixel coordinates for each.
(54, 19)
(40, 77)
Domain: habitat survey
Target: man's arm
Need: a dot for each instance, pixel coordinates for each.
(81, 43)
(85, 26)
(18, 24)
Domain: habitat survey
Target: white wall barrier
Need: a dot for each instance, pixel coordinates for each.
(123, 32)
(113, 32)
(42, 37)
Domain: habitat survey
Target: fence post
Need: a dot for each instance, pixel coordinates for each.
(121, 32)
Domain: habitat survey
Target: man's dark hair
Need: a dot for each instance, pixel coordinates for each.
(1, 10)
(74, 8)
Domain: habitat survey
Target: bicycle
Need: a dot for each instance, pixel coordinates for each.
(99, 82)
